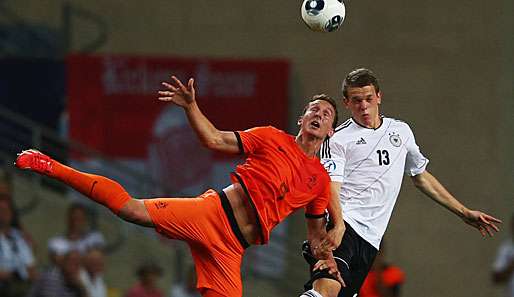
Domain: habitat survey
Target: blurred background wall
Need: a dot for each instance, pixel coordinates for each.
(447, 68)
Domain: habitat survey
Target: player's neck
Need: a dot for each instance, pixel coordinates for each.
(308, 144)
(371, 124)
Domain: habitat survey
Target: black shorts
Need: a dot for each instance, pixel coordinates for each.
(354, 258)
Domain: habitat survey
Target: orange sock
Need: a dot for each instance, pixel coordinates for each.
(100, 189)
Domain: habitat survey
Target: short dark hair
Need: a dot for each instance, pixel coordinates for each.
(324, 98)
(359, 78)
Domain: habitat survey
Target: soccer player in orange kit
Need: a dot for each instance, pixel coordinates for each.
(280, 175)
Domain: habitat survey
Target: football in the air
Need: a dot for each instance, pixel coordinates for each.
(323, 15)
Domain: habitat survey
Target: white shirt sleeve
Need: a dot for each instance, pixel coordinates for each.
(415, 163)
(333, 159)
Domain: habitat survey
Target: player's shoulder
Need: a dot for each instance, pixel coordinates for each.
(343, 127)
(266, 130)
(396, 123)
(343, 131)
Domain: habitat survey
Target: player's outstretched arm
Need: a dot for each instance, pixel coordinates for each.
(185, 97)
(430, 186)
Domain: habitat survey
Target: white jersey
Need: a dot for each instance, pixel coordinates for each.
(370, 164)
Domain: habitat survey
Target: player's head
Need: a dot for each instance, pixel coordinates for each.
(359, 78)
(361, 95)
(319, 116)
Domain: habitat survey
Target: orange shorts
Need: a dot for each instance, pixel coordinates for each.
(203, 223)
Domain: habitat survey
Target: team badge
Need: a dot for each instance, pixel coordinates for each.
(329, 165)
(395, 140)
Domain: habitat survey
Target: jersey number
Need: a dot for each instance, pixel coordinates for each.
(383, 157)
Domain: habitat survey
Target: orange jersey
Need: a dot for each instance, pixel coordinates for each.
(279, 177)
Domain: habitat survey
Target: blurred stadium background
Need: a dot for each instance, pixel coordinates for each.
(79, 79)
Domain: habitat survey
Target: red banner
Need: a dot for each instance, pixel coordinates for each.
(113, 105)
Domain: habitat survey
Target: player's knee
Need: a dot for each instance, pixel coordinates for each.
(327, 287)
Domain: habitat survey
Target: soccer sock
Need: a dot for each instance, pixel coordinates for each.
(100, 189)
(311, 293)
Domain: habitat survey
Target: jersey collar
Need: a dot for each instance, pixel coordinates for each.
(381, 122)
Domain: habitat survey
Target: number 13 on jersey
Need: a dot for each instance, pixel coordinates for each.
(383, 157)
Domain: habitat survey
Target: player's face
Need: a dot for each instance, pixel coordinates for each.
(318, 119)
(363, 103)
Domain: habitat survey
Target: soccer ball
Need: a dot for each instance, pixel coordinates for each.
(323, 15)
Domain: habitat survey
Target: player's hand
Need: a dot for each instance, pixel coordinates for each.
(482, 221)
(333, 238)
(177, 93)
(320, 249)
(331, 265)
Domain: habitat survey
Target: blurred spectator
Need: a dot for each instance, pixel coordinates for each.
(6, 193)
(62, 280)
(92, 273)
(17, 264)
(78, 235)
(383, 280)
(186, 288)
(503, 268)
(146, 286)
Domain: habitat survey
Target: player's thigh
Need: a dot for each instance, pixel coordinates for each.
(189, 219)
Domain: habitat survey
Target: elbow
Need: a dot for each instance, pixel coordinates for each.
(419, 181)
(210, 144)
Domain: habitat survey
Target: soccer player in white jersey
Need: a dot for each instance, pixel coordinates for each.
(366, 159)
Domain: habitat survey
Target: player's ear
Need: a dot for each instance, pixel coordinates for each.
(379, 97)
(331, 132)
(345, 102)
(300, 121)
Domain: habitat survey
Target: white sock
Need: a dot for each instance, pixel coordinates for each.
(311, 293)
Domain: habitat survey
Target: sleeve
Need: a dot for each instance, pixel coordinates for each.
(415, 163)
(252, 139)
(316, 208)
(333, 159)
